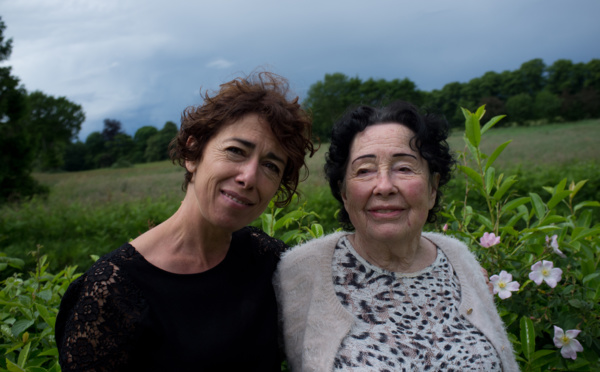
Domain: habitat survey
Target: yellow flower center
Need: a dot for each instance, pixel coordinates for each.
(565, 340)
(501, 284)
(545, 272)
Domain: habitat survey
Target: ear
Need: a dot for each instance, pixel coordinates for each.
(342, 187)
(434, 182)
(190, 165)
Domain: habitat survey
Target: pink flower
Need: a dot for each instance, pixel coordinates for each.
(445, 228)
(503, 286)
(489, 239)
(544, 271)
(567, 343)
(553, 243)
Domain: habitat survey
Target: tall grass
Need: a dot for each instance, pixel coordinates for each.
(93, 212)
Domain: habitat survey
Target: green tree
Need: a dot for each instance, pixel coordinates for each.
(328, 99)
(546, 105)
(75, 158)
(16, 158)
(532, 76)
(158, 145)
(55, 122)
(140, 142)
(519, 108)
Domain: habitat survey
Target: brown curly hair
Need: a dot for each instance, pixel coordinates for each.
(262, 93)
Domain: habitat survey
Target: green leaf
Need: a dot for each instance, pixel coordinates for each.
(24, 355)
(538, 205)
(489, 179)
(557, 197)
(527, 337)
(493, 121)
(587, 204)
(515, 203)
(317, 230)
(506, 185)
(590, 277)
(45, 314)
(471, 173)
(13, 367)
(472, 128)
(496, 153)
(288, 218)
(20, 326)
(267, 223)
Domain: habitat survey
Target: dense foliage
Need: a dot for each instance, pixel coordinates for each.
(544, 259)
(535, 92)
(540, 242)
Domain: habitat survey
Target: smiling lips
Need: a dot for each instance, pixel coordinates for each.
(383, 211)
(236, 198)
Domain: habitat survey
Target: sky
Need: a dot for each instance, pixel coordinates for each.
(142, 62)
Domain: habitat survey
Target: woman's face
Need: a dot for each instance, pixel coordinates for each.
(387, 188)
(239, 173)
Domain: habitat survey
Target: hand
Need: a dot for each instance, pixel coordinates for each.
(487, 280)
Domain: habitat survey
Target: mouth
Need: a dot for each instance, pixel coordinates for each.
(236, 198)
(386, 212)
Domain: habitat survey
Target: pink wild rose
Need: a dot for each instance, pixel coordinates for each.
(567, 343)
(503, 284)
(489, 239)
(543, 271)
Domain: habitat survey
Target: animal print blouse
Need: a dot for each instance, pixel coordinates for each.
(406, 322)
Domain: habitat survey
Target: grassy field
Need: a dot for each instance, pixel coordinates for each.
(93, 212)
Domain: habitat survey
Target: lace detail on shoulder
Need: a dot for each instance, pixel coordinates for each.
(98, 317)
(266, 243)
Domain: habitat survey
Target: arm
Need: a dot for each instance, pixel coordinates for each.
(96, 322)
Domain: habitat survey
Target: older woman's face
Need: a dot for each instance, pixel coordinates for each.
(239, 173)
(387, 189)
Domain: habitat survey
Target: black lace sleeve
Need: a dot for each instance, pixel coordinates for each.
(97, 320)
(265, 243)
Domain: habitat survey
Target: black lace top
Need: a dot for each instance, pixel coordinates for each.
(124, 314)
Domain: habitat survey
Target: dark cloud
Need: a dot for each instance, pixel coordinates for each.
(143, 62)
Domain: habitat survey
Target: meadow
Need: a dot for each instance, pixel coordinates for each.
(540, 196)
(93, 212)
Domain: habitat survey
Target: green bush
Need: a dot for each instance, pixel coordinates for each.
(28, 309)
(543, 246)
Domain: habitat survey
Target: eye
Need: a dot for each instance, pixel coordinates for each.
(273, 167)
(234, 150)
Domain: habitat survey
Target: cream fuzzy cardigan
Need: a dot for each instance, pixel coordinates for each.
(315, 322)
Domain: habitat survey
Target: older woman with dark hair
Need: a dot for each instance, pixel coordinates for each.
(195, 292)
(387, 296)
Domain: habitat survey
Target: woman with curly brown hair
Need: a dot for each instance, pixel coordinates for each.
(195, 292)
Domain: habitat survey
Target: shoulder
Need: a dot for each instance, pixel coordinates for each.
(449, 244)
(259, 241)
(312, 250)
(106, 280)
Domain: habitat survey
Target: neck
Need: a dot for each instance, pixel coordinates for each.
(182, 244)
(397, 257)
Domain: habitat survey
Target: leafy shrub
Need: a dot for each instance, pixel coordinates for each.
(28, 309)
(548, 256)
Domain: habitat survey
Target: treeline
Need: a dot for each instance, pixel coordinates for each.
(39, 132)
(35, 130)
(114, 148)
(563, 91)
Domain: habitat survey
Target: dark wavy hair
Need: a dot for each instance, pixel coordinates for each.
(262, 93)
(430, 134)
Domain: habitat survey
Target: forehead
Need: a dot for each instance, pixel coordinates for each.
(382, 137)
(254, 130)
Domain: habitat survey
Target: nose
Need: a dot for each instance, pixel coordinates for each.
(384, 184)
(247, 174)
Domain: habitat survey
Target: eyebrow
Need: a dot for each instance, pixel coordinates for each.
(252, 145)
(398, 155)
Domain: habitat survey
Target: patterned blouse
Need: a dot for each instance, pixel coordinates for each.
(406, 322)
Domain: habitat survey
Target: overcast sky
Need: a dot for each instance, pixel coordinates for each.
(143, 61)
